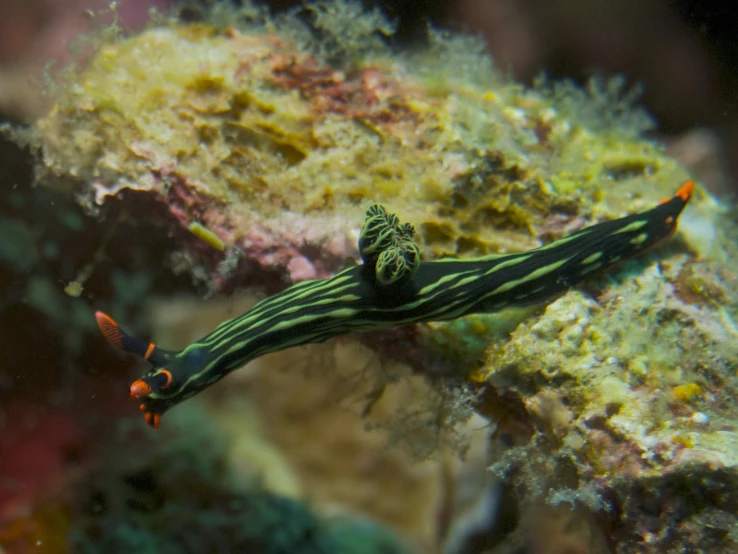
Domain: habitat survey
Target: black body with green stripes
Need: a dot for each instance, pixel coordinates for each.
(354, 300)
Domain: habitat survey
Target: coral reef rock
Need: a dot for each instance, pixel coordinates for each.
(270, 143)
(630, 387)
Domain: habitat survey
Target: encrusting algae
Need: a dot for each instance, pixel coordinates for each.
(257, 147)
(246, 117)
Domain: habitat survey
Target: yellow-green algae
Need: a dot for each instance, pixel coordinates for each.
(632, 395)
(249, 116)
(206, 235)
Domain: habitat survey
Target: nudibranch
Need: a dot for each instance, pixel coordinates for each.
(391, 287)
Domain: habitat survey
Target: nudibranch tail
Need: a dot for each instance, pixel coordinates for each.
(677, 203)
(685, 191)
(681, 197)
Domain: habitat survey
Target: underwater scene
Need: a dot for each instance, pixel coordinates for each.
(333, 277)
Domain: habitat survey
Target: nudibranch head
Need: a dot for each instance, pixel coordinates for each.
(157, 390)
(148, 385)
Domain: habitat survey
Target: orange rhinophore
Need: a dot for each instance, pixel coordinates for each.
(110, 329)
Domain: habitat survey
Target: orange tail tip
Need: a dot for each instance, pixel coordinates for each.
(140, 388)
(110, 329)
(685, 191)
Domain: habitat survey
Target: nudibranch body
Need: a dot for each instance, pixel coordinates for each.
(391, 288)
